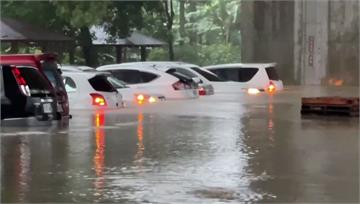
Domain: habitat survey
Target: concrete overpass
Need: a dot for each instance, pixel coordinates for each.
(314, 42)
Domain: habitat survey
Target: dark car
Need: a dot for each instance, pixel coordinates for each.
(25, 92)
(47, 64)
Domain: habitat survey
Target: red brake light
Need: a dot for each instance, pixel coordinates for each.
(271, 88)
(98, 99)
(202, 91)
(21, 81)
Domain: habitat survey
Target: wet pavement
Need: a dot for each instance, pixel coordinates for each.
(226, 148)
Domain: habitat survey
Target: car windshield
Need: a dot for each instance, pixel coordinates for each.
(207, 74)
(35, 80)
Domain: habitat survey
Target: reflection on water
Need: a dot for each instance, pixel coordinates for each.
(271, 120)
(140, 144)
(236, 149)
(99, 157)
(22, 169)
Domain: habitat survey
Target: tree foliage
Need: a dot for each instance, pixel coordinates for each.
(194, 30)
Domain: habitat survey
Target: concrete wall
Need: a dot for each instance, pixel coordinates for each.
(344, 42)
(311, 40)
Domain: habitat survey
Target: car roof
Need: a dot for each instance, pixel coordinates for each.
(76, 68)
(162, 64)
(26, 59)
(244, 65)
(130, 66)
(155, 65)
(88, 74)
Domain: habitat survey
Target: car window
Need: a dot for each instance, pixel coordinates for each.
(100, 83)
(35, 80)
(52, 72)
(221, 73)
(227, 74)
(116, 83)
(53, 78)
(147, 77)
(236, 74)
(2, 84)
(70, 85)
(207, 74)
(246, 74)
(128, 76)
(271, 72)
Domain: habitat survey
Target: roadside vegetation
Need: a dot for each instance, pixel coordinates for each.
(201, 32)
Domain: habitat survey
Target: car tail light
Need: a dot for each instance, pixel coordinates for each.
(202, 91)
(140, 99)
(21, 82)
(271, 87)
(180, 86)
(98, 99)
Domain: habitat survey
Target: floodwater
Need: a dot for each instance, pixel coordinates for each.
(226, 148)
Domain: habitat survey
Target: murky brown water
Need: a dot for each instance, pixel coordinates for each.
(225, 148)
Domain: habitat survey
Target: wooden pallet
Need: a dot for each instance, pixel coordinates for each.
(348, 106)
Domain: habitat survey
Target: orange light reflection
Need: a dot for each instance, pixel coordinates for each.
(99, 156)
(271, 123)
(140, 145)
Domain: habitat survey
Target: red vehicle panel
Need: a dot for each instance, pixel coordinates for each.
(46, 63)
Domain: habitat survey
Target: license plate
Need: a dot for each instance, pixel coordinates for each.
(59, 108)
(47, 108)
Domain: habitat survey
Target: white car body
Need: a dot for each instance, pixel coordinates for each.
(129, 94)
(78, 88)
(181, 67)
(260, 79)
(217, 85)
(160, 83)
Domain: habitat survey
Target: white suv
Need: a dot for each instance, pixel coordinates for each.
(181, 68)
(250, 76)
(151, 81)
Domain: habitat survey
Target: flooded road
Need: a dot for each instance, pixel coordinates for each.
(226, 148)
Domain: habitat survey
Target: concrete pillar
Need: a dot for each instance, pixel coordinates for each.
(267, 34)
(248, 32)
(310, 38)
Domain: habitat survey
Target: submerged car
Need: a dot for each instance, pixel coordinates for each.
(47, 64)
(91, 90)
(25, 92)
(253, 77)
(130, 95)
(178, 69)
(154, 82)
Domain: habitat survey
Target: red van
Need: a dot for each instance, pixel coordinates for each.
(47, 64)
